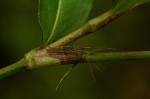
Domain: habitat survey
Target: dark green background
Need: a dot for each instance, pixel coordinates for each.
(20, 32)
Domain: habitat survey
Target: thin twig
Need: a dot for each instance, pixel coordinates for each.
(92, 26)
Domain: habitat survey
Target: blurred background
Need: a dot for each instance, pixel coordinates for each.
(20, 32)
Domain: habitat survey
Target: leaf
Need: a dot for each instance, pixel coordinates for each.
(123, 5)
(61, 17)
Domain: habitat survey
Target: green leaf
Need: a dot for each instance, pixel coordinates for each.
(123, 5)
(61, 17)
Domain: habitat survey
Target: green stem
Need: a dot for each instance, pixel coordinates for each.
(89, 27)
(50, 57)
(12, 69)
(92, 26)
(111, 56)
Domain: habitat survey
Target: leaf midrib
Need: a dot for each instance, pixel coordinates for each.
(55, 22)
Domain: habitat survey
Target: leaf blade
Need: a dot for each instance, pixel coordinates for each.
(60, 17)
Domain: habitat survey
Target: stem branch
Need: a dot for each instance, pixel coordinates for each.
(92, 26)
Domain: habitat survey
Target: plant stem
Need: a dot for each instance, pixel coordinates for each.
(52, 56)
(88, 28)
(12, 69)
(92, 26)
(111, 56)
